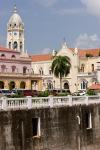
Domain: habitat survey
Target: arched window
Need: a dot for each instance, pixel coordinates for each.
(13, 56)
(3, 55)
(24, 70)
(15, 45)
(49, 85)
(1, 85)
(11, 85)
(9, 44)
(22, 85)
(15, 25)
(66, 85)
(82, 67)
(84, 85)
(92, 67)
(41, 71)
(50, 72)
(13, 68)
(3, 68)
(21, 46)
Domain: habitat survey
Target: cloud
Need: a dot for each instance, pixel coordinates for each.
(46, 50)
(46, 3)
(92, 6)
(87, 41)
(70, 11)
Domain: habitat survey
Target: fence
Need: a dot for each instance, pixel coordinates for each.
(43, 102)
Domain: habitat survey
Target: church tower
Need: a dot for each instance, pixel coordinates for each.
(15, 32)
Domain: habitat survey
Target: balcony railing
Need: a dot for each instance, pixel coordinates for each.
(14, 74)
(86, 74)
(46, 102)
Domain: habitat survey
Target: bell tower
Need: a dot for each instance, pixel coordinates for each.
(15, 32)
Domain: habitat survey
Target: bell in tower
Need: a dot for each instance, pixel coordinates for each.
(15, 32)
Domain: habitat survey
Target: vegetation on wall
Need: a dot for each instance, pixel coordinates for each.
(91, 92)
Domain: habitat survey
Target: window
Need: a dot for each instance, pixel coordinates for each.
(13, 56)
(41, 71)
(32, 71)
(50, 86)
(24, 70)
(21, 46)
(82, 67)
(3, 67)
(66, 85)
(50, 72)
(84, 85)
(22, 85)
(13, 68)
(9, 44)
(92, 67)
(2, 55)
(36, 127)
(15, 25)
(15, 33)
(88, 120)
(15, 45)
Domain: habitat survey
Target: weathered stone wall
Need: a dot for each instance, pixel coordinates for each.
(61, 129)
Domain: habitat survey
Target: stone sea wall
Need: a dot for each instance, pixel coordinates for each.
(62, 128)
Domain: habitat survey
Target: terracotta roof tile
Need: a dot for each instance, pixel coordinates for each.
(94, 52)
(7, 49)
(42, 57)
(95, 86)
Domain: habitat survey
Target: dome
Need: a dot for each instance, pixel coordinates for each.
(15, 18)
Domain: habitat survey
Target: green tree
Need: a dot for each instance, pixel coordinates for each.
(61, 67)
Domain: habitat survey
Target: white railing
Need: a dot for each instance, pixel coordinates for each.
(43, 102)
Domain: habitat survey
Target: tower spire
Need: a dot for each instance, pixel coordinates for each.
(15, 9)
(15, 32)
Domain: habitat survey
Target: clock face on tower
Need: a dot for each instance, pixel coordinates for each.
(15, 33)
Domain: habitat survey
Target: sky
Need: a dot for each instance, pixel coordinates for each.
(48, 22)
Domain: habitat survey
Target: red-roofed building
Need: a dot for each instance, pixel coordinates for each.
(15, 63)
(83, 71)
(95, 86)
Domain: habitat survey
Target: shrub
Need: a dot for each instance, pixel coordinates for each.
(43, 93)
(17, 95)
(91, 92)
(62, 94)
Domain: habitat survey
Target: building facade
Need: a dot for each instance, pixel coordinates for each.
(85, 68)
(15, 63)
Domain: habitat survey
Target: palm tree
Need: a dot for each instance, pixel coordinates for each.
(61, 67)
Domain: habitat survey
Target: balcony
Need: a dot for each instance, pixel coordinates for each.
(19, 75)
(86, 74)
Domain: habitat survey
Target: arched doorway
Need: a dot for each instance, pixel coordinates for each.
(11, 85)
(1, 85)
(22, 85)
(66, 86)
